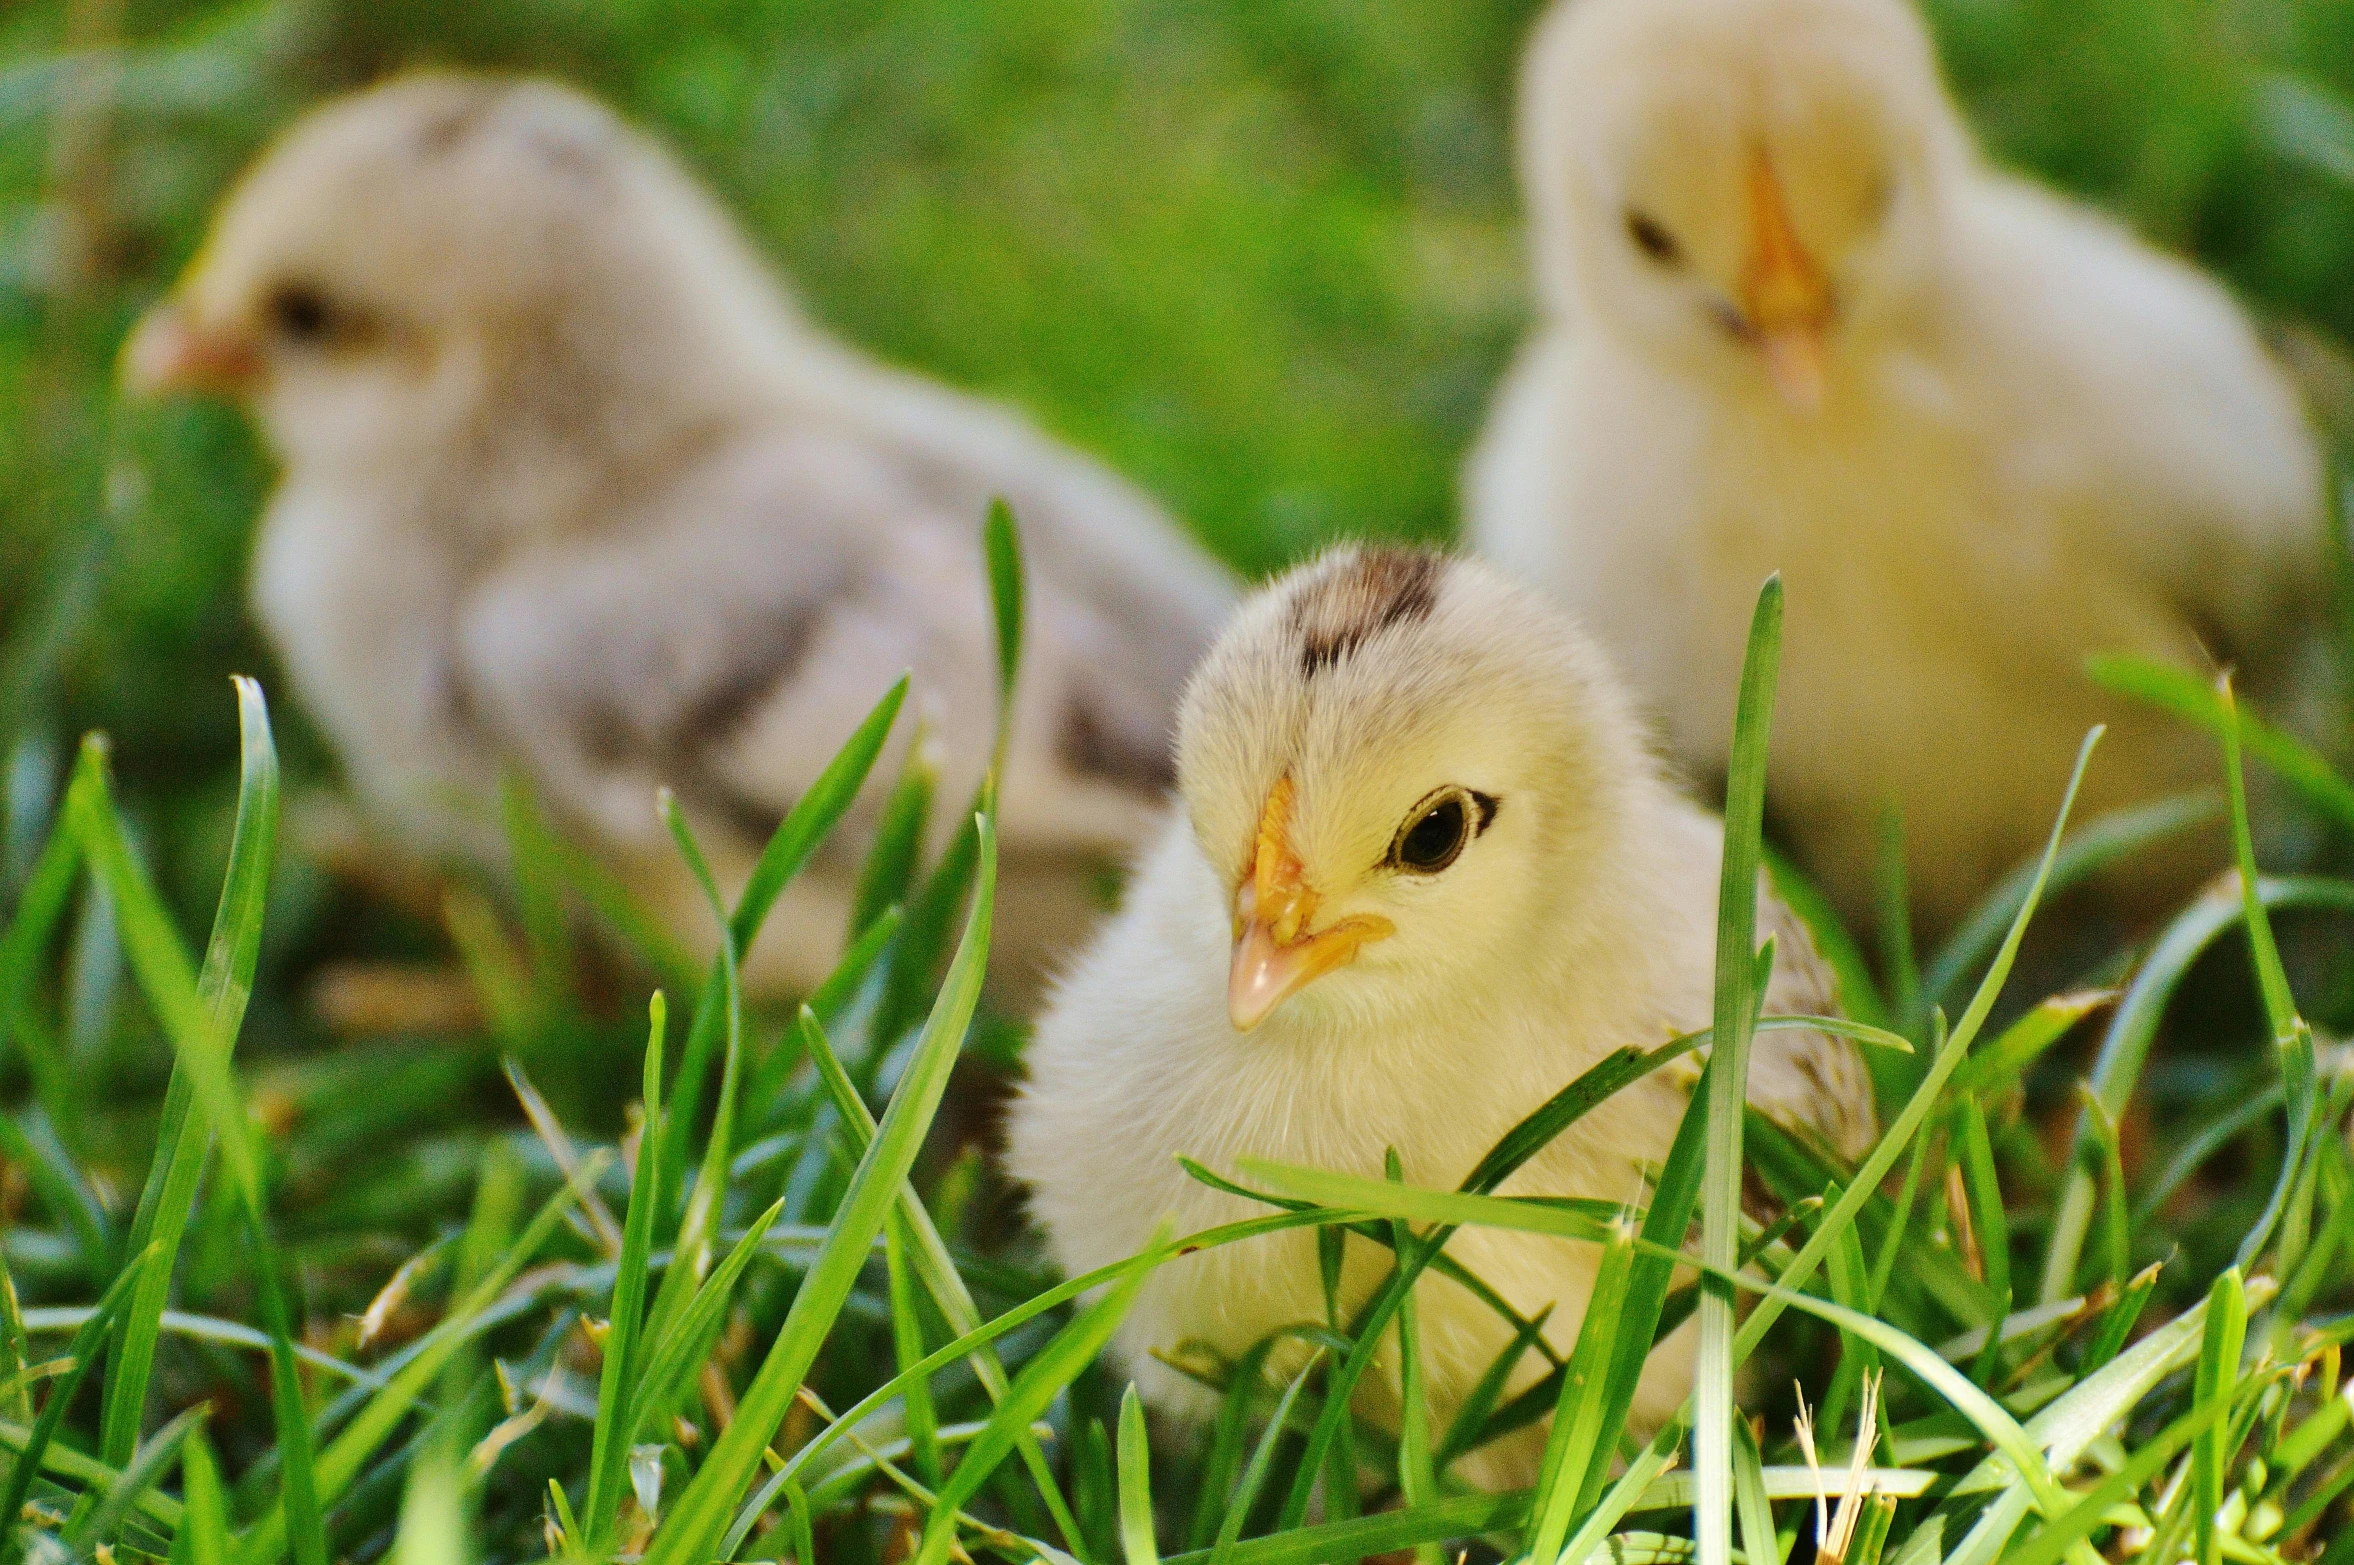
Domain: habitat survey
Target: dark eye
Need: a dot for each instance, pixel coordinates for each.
(1442, 825)
(1653, 239)
(298, 312)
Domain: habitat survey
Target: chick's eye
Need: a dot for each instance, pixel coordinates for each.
(300, 313)
(1652, 238)
(1437, 832)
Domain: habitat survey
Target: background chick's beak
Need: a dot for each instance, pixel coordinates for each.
(1786, 298)
(170, 353)
(1275, 953)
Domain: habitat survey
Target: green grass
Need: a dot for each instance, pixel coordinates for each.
(1262, 255)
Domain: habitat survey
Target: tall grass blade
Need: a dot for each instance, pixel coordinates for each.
(80, 1353)
(1001, 544)
(691, 1252)
(810, 821)
(1137, 1543)
(1254, 1477)
(162, 967)
(2291, 1040)
(1727, 1081)
(204, 1525)
(2218, 1378)
(154, 1459)
(2125, 1047)
(625, 1322)
(1576, 1435)
(2085, 852)
(2195, 701)
(934, 1267)
(1054, 1367)
(701, 1514)
(223, 987)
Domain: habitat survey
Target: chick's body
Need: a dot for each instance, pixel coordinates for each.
(1984, 433)
(1578, 920)
(570, 487)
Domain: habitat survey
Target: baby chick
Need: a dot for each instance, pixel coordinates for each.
(569, 485)
(1790, 320)
(1424, 874)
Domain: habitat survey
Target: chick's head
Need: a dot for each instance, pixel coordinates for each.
(410, 258)
(1406, 772)
(1743, 187)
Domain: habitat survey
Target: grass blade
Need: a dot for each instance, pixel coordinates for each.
(162, 967)
(2125, 1047)
(2191, 698)
(677, 1352)
(810, 821)
(2218, 1378)
(1001, 544)
(1072, 1350)
(223, 987)
(1254, 1477)
(84, 1348)
(205, 1519)
(1738, 982)
(934, 1266)
(1576, 1436)
(1137, 1543)
(701, 1515)
(347, 1455)
(2083, 853)
(625, 1321)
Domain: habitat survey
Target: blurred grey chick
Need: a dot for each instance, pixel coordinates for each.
(570, 485)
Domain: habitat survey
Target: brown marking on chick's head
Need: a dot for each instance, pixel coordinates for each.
(1363, 593)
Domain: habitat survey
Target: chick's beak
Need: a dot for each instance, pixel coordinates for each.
(1785, 296)
(1277, 952)
(169, 352)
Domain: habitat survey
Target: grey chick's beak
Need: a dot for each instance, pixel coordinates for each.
(168, 352)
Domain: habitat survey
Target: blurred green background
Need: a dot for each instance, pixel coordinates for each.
(1261, 254)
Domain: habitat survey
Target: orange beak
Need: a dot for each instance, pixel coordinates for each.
(1785, 296)
(168, 352)
(1276, 954)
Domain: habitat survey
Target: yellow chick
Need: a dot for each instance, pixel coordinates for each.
(570, 485)
(1791, 320)
(1424, 872)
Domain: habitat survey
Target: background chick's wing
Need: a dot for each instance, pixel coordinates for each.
(724, 636)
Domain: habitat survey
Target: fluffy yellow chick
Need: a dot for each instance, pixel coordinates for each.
(1425, 872)
(570, 485)
(1790, 320)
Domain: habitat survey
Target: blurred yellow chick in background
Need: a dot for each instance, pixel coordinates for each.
(1425, 872)
(1790, 320)
(569, 485)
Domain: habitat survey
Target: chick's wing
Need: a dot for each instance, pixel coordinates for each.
(722, 635)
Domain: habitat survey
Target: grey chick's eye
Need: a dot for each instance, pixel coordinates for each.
(1439, 829)
(300, 313)
(1652, 238)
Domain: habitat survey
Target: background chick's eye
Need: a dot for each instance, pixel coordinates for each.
(300, 313)
(1432, 839)
(1653, 239)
